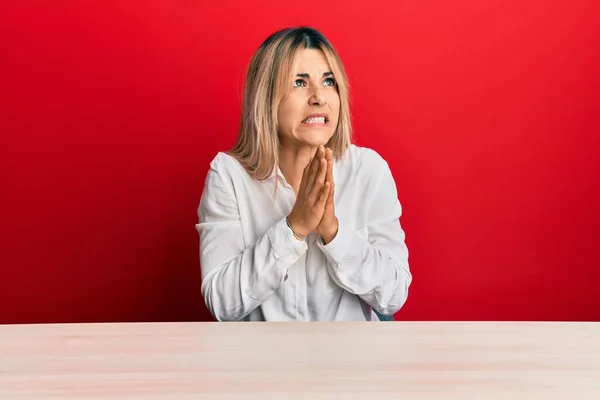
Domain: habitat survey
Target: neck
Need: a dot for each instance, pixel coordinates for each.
(292, 161)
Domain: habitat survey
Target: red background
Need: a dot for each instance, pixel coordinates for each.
(487, 112)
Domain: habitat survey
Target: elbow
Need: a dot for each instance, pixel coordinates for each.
(395, 304)
(392, 307)
(400, 294)
(215, 304)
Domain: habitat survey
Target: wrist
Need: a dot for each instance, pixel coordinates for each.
(329, 233)
(297, 229)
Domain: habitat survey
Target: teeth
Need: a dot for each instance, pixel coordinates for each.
(315, 120)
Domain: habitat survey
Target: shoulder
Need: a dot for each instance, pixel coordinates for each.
(364, 160)
(226, 167)
(223, 162)
(224, 170)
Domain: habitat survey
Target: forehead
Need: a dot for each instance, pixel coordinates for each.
(310, 61)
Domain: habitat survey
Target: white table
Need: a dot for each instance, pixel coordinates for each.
(301, 360)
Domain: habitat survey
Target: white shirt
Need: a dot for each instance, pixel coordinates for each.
(254, 269)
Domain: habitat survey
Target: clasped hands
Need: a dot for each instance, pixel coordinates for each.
(314, 208)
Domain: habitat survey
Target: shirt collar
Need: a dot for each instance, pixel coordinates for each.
(274, 172)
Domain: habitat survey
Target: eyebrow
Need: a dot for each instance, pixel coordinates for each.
(307, 76)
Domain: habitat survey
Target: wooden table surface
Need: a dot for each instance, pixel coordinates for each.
(370, 360)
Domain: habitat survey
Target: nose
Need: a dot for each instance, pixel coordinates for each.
(316, 98)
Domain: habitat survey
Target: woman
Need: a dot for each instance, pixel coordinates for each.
(296, 222)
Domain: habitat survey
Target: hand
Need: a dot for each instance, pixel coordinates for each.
(328, 226)
(312, 195)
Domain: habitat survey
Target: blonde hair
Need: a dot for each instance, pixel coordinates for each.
(267, 81)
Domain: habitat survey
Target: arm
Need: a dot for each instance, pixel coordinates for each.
(237, 278)
(374, 264)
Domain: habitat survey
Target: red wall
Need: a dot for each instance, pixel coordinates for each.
(486, 110)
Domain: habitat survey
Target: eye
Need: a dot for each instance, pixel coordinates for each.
(299, 83)
(329, 82)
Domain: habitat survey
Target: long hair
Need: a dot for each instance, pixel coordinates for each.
(267, 83)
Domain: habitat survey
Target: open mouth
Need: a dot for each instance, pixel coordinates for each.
(315, 120)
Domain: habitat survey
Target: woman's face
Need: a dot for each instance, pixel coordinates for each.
(309, 115)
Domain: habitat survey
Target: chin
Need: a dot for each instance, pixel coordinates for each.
(316, 139)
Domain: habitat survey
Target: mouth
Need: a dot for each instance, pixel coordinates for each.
(316, 119)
